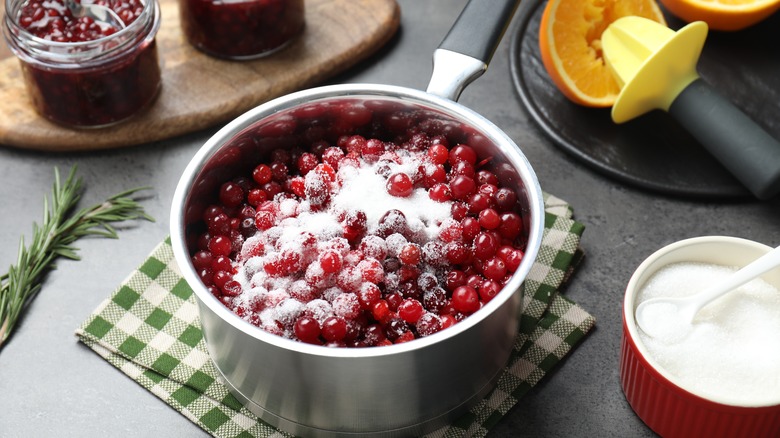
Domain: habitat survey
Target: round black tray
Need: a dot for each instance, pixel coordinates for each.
(652, 151)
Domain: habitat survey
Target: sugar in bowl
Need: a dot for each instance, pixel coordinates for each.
(719, 374)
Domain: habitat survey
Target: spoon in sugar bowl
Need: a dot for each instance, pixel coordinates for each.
(98, 13)
(684, 309)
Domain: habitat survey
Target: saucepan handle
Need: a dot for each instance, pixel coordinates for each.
(465, 52)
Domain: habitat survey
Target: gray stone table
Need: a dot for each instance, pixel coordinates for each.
(51, 385)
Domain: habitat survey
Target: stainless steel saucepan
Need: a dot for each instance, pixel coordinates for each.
(398, 390)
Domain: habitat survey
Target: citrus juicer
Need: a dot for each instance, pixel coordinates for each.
(655, 68)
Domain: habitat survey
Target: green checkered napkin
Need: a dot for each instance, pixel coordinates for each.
(149, 329)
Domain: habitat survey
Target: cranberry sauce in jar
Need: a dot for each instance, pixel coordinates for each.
(236, 29)
(82, 73)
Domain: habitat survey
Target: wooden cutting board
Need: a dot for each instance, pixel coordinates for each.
(199, 91)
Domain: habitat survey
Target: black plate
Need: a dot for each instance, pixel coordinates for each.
(653, 152)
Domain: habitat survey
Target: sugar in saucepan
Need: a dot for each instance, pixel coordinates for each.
(731, 351)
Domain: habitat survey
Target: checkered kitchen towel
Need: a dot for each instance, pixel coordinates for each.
(149, 329)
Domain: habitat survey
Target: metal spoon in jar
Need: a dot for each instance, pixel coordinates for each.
(98, 13)
(686, 308)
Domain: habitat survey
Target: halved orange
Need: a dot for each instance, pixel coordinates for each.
(570, 45)
(726, 15)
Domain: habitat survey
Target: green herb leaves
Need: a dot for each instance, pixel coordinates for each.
(61, 227)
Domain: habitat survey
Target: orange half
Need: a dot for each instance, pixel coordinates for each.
(570, 45)
(726, 15)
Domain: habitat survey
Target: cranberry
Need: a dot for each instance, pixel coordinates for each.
(494, 269)
(438, 153)
(485, 245)
(459, 210)
(487, 177)
(478, 202)
(455, 278)
(333, 156)
(488, 290)
(505, 199)
(334, 328)
(410, 310)
(410, 254)
(330, 262)
(221, 263)
(440, 192)
(368, 295)
(464, 153)
(510, 225)
(262, 174)
(374, 334)
(511, 257)
(457, 253)
(307, 329)
(435, 299)
(470, 227)
(434, 175)
(220, 245)
(400, 185)
(307, 162)
(231, 194)
(380, 310)
(465, 299)
(428, 324)
(395, 328)
(462, 187)
(489, 219)
(462, 168)
(202, 260)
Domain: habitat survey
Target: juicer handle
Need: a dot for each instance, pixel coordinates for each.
(743, 147)
(468, 47)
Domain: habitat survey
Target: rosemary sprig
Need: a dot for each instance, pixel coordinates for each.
(54, 238)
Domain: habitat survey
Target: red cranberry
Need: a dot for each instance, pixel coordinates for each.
(489, 219)
(428, 324)
(487, 177)
(307, 329)
(438, 153)
(510, 225)
(462, 187)
(220, 245)
(410, 310)
(202, 260)
(462, 152)
(494, 269)
(231, 194)
(262, 174)
(485, 245)
(400, 185)
(488, 290)
(505, 199)
(334, 328)
(465, 299)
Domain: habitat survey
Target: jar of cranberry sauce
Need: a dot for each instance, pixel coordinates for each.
(241, 29)
(82, 73)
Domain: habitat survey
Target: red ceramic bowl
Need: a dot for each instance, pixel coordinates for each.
(658, 397)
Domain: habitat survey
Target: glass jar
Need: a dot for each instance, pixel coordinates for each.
(87, 84)
(241, 29)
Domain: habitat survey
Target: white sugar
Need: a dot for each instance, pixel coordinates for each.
(731, 351)
(363, 189)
